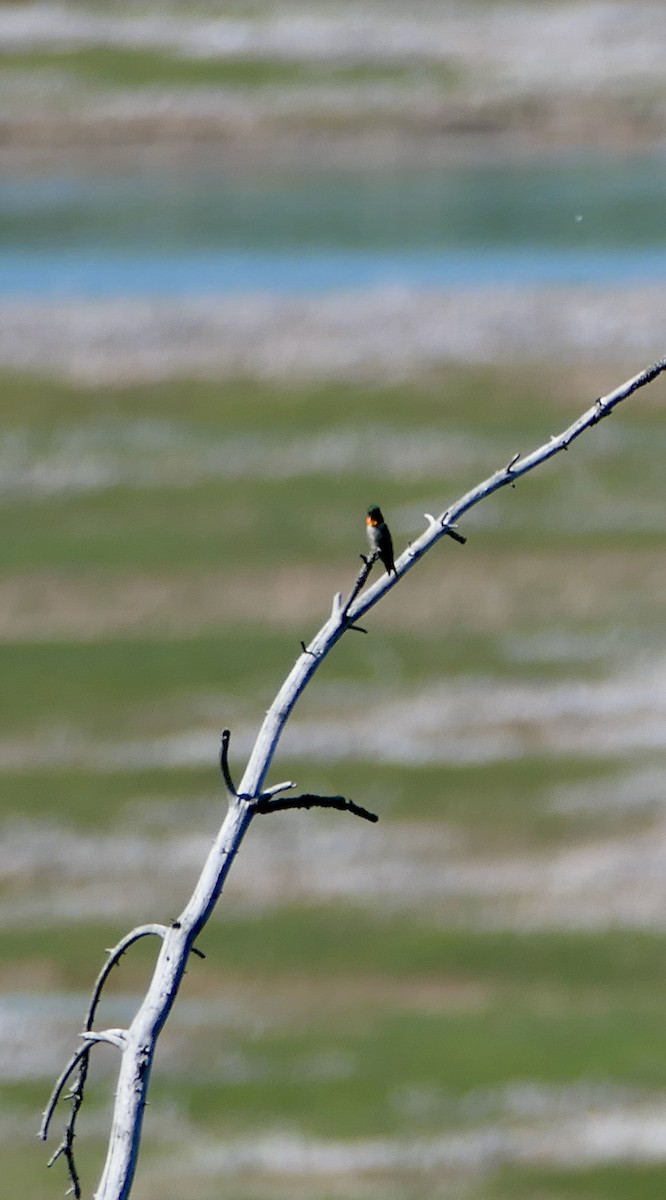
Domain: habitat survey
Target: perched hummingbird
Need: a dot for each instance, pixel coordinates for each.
(379, 537)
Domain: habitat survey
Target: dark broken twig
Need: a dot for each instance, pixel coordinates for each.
(308, 800)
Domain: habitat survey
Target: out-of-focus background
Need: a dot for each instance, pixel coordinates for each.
(262, 264)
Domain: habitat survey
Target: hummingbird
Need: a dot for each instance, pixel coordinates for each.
(379, 537)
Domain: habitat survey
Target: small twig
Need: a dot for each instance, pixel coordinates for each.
(445, 526)
(277, 787)
(114, 1037)
(308, 800)
(357, 628)
(368, 562)
(65, 1148)
(453, 533)
(83, 1051)
(306, 651)
(224, 764)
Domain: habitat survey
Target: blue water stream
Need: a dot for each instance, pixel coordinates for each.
(214, 231)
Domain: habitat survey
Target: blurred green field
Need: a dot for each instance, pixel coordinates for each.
(165, 548)
(105, 66)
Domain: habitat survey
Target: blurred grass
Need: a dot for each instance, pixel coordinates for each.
(116, 66)
(449, 1055)
(611, 971)
(596, 1183)
(408, 1004)
(311, 514)
(560, 1010)
(105, 685)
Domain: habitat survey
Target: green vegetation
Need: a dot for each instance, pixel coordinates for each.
(107, 66)
(600, 1183)
(611, 971)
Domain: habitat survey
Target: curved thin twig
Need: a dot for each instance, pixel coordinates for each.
(114, 957)
(82, 1052)
(224, 764)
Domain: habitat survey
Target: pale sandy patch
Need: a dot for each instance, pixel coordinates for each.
(608, 1133)
(44, 605)
(466, 719)
(509, 48)
(596, 883)
(456, 590)
(376, 334)
(151, 453)
(601, 883)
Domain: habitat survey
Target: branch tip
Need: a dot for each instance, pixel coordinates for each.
(79, 1056)
(368, 561)
(452, 532)
(277, 787)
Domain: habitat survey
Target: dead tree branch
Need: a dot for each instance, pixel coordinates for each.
(137, 1043)
(341, 803)
(82, 1057)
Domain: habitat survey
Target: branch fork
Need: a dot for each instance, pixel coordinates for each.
(266, 801)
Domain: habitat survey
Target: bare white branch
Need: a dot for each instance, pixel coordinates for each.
(82, 1055)
(506, 475)
(138, 1042)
